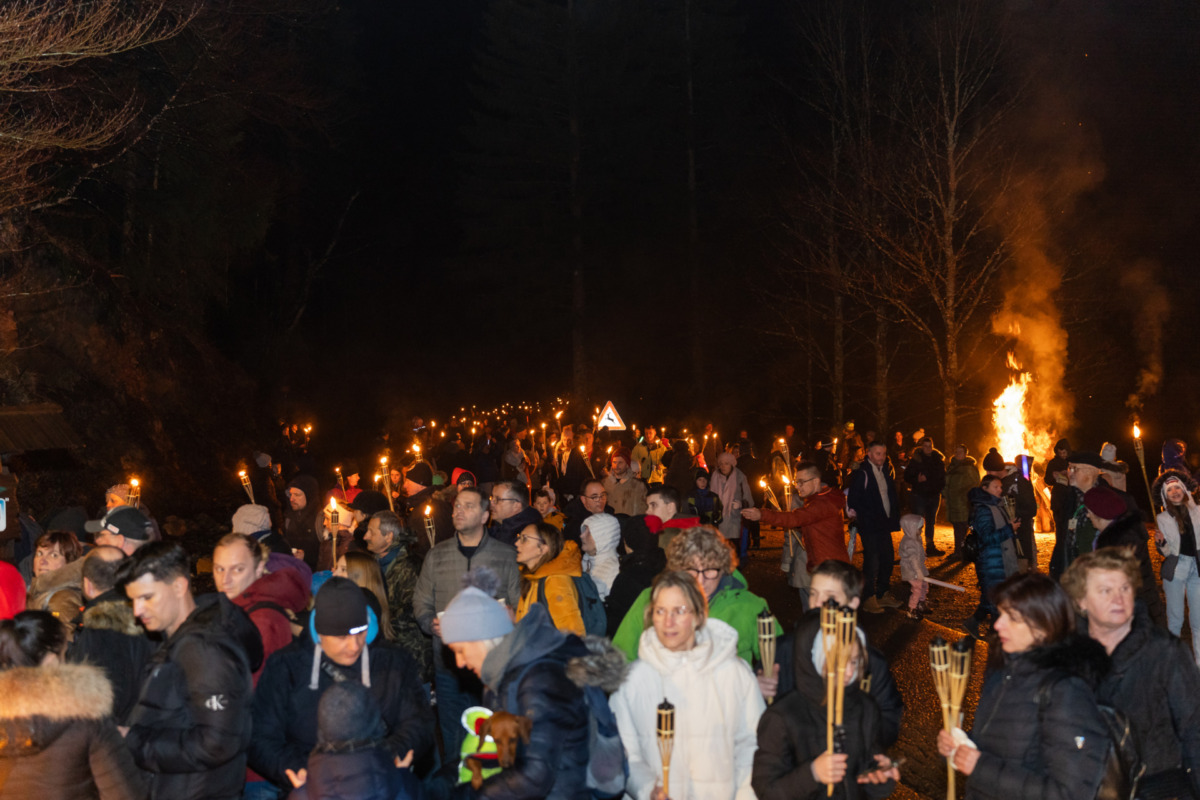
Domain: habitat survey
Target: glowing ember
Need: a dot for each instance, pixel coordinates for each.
(1010, 418)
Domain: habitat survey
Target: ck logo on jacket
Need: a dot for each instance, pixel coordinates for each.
(215, 703)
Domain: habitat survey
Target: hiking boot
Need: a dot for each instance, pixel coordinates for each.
(872, 606)
(887, 601)
(933, 551)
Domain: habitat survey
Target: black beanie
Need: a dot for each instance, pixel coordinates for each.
(420, 474)
(993, 461)
(341, 608)
(1062, 444)
(348, 712)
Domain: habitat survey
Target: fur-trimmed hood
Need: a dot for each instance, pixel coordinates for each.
(40, 703)
(604, 666)
(111, 612)
(1187, 480)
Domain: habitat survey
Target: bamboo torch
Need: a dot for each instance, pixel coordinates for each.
(430, 530)
(341, 483)
(1140, 449)
(387, 481)
(951, 667)
(666, 741)
(787, 492)
(246, 485)
(829, 626)
(770, 495)
(766, 644)
(135, 492)
(333, 529)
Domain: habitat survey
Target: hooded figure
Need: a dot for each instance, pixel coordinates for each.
(1178, 524)
(638, 566)
(1174, 456)
(600, 560)
(792, 732)
(304, 528)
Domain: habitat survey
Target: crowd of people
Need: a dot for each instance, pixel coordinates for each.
(505, 614)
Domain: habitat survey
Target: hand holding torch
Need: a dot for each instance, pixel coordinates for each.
(766, 644)
(666, 741)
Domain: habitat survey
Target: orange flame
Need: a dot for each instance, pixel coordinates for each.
(1014, 435)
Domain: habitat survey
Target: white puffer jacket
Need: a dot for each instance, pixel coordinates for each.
(1166, 523)
(717, 707)
(604, 566)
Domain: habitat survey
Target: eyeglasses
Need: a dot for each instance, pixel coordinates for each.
(672, 613)
(807, 480)
(600, 496)
(709, 574)
(523, 538)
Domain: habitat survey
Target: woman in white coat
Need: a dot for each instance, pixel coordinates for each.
(1178, 524)
(691, 662)
(599, 535)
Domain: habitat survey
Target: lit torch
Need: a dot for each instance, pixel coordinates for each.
(333, 513)
(135, 492)
(787, 492)
(246, 485)
(770, 495)
(387, 482)
(430, 530)
(666, 740)
(341, 483)
(1140, 448)
(766, 644)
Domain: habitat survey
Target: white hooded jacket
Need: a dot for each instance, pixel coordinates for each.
(604, 566)
(717, 708)
(1166, 523)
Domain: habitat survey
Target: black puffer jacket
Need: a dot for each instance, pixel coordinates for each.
(110, 638)
(1154, 681)
(191, 723)
(1056, 752)
(285, 708)
(877, 681)
(554, 763)
(791, 733)
(58, 740)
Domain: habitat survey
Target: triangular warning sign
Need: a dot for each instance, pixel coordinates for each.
(609, 418)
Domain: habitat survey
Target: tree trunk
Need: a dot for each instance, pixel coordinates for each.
(839, 358)
(950, 392)
(881, 374)
(579, 385)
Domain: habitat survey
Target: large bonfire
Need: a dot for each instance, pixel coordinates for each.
(1010, 417)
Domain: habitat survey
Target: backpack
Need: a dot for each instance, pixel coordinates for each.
(1123, 766)
(608, 766)
(591, 607)
(293, 621)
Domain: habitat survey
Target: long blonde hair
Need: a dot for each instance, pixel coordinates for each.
(363, 569)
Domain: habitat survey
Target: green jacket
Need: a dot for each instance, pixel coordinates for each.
(734, 605)
(961, 477)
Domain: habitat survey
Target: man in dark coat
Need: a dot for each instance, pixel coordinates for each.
(1062, 505)
(286, 702)
(108, 635)
(304, 520)
(191, 724)
(592, 499)
(926, 477)
(873, 503)
(511, 512)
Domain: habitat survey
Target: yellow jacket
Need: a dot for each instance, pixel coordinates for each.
(562, 601)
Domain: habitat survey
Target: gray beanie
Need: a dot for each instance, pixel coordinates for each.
(251, 519)
(474, 616)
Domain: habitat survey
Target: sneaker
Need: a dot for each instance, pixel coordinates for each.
(872, 606)
(887, 601)
(933, 551)
(915, 613)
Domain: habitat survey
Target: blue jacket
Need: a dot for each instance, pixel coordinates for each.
(990, 565)
(864, 498)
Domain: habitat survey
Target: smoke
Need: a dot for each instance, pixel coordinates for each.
(1141, 286)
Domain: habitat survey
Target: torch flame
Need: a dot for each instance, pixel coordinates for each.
(332, 504)
(241, 473)
(786, 482)
(133, 482)
(383, 461)
(762, 482)
(428, 509)
(1137, 432)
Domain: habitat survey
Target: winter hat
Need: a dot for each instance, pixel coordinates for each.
(911, 524)
(727, 458)
(124, 521)
(605, 531)
(474, 616)
(350, 468)
(993, 461)
(12, 591)
(250, 519)
(823, 442)
(1108, 451)
(262, 459)
(701, 472)
(622, 452)
(641, 533)
(348, 714)
(460, 475)
(420, 473)
(341, 609)
(369, 502)
(1104, 502)
(120, 491)
(1086, 457)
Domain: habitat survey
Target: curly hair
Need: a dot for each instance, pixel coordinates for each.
(1114, 559)
(704, 543)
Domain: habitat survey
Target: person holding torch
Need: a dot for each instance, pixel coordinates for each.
(691, 661)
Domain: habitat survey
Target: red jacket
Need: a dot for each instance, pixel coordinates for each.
(286, 589)
(820, 524)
